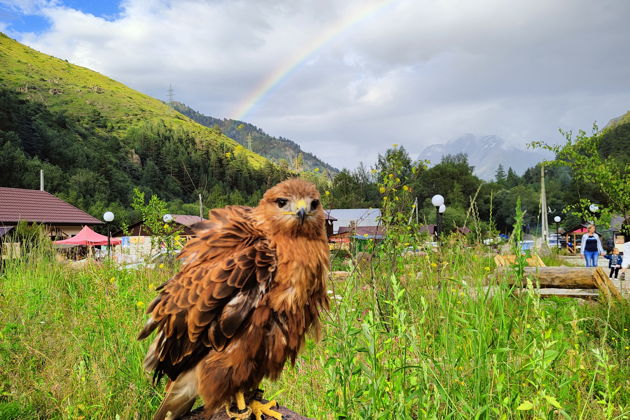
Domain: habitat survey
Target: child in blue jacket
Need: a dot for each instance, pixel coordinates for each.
(614, 262)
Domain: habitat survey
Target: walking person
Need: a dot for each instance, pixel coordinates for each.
(614, 262)
(591, 247)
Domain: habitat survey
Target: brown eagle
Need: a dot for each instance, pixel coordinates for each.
(252, 284)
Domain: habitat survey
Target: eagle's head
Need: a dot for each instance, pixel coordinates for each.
(293, 207)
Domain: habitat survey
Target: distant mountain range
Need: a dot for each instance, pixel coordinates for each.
(620, 120)
(486, 153)
(250, 136)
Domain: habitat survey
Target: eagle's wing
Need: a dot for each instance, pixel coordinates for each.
(226, 270)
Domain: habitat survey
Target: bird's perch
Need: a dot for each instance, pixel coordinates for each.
(570, 278)
(198, 415)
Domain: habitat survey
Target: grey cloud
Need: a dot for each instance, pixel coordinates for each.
(413, 73)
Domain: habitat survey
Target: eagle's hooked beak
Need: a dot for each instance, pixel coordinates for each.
(301, 210)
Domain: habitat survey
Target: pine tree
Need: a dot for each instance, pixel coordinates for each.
(500, 174)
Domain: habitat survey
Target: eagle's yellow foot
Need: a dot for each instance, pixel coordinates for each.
(241, 411)
(259, 408)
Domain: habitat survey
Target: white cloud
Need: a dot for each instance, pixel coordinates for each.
(413, 72)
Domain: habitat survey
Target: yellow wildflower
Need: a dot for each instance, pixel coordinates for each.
(391, 175)
(316, 169)
(151, 286)
(405, 188)
(365, 235)
(113, 279)
(487, 268)
(381, 190)
(161, 265)
(140, 304)
(228, 155)
(397, 179)
(433, 265)
(327, 193)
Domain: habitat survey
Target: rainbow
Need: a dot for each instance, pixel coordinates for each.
(282, 71)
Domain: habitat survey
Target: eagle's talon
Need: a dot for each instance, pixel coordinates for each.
(241, 411)
(238, 414)
(259, 408)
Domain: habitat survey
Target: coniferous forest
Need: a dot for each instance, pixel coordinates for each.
(97, 172)
(96, 140)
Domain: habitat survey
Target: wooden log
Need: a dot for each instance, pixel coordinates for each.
(197, 414)
(604, 280)
(568, 278)
(558, 277)
(508, 260)
(587, 294)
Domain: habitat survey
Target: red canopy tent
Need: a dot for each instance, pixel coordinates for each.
(579, 231)
(88, 237)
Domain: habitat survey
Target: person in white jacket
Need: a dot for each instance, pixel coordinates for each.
(626, 260)
(591, 247)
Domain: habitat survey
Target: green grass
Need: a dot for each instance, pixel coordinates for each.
(394, 346)
(83, 93)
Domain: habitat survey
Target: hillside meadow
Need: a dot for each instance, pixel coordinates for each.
(407, 336)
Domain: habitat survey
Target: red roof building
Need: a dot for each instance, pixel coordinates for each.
(35, 206)
(185, 220)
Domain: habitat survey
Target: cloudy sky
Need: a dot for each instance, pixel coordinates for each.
(346, 79)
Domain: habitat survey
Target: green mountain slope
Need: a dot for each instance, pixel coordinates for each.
(616, 138)
(81, 92)
(96, 139)
(622, 119)
(274, 148)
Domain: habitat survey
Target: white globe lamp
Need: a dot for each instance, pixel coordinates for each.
(108, 216)
(437, 200)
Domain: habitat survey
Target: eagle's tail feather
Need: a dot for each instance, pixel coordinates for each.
(152, 359)
(180, 397)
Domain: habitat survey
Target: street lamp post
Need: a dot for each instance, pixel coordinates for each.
(438, 201)
(108, 216)
(557, 220)
(441, 211)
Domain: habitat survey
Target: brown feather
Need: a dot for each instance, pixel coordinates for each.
(252, 284)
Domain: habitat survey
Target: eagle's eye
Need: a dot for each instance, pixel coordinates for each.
(314, 204)
(281, 202)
